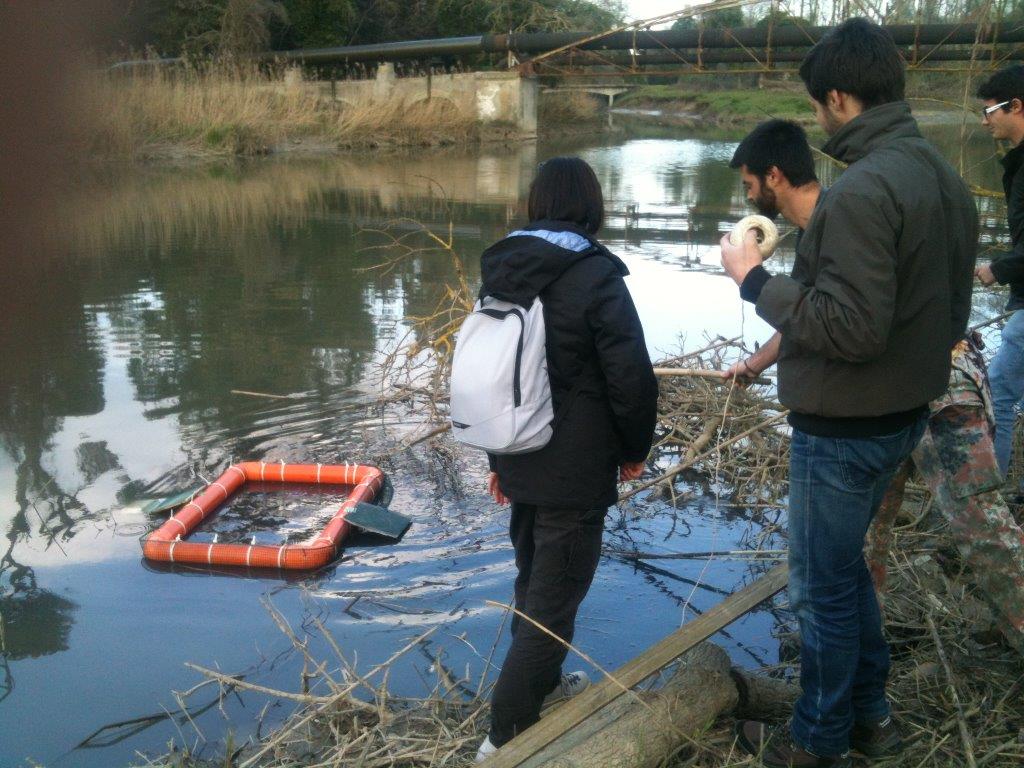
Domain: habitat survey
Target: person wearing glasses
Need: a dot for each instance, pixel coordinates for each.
(1002, 112)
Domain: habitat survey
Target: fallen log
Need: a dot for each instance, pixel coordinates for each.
(763, 698)
(642, 729)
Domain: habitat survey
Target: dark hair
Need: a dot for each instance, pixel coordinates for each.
(566, 189)
(1005, 85)
(777, 143)
(858, 58)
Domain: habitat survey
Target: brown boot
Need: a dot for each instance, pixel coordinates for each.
(776, 748)
(879, 739)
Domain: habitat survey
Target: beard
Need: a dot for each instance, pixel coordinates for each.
(832, 124)
(766, 203)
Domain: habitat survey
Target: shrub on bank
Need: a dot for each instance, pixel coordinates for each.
(566, 107)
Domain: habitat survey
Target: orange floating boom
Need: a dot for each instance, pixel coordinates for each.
(166, 544)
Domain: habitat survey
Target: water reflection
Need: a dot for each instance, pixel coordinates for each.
(50, 371)
(183, 284)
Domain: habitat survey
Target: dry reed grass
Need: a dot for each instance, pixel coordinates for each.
(225, 110)
(434, 122)
(210, 110)
(955, 687)
(351, 720)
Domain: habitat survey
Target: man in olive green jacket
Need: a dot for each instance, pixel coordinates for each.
(879, 293)
(882, 285)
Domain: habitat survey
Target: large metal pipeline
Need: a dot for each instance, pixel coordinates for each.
(406, 49)
(690, 58)
(532, 43)
(753, 37)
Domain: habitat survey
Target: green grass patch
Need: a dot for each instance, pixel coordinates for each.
(235, 139)
(739, 105)
(217, 135)
(650, 93)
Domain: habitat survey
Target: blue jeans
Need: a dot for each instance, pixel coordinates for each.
(836, 486)
(1006, 375)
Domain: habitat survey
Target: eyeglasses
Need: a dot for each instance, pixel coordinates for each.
(986, 111)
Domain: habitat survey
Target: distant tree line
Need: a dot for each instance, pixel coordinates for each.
(208, 27)
(211, 27)
(830, 12)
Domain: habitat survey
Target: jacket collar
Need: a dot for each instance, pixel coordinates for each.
(1014, 159)
(871, 129)
(549, 226)
(553, 225)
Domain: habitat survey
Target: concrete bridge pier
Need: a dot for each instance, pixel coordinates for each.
(496, 98)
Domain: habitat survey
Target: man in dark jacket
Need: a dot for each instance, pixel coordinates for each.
(879, 293)
(1002, 112)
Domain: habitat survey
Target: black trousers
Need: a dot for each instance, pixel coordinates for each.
(557, 551)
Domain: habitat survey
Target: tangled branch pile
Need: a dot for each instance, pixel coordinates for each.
(416, 368)
(712, 431)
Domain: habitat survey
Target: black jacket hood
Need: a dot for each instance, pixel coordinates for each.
(520, 266)
(870, 129)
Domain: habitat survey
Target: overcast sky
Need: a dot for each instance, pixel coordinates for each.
(645, 9)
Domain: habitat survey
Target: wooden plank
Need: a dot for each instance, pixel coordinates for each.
(634, 672)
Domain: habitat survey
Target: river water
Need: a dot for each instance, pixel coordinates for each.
(182, 284)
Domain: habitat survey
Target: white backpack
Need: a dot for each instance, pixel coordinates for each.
(500, 393)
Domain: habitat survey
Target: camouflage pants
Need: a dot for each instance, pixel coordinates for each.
(956, 459)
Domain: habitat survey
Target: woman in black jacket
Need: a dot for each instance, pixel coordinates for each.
(605, 399)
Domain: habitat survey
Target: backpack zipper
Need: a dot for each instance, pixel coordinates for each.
(497, 314)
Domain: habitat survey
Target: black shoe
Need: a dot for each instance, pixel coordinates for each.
(879, 739)
(776, 748)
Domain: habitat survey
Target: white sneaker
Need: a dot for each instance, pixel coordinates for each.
(486, 750)
(571, 684)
